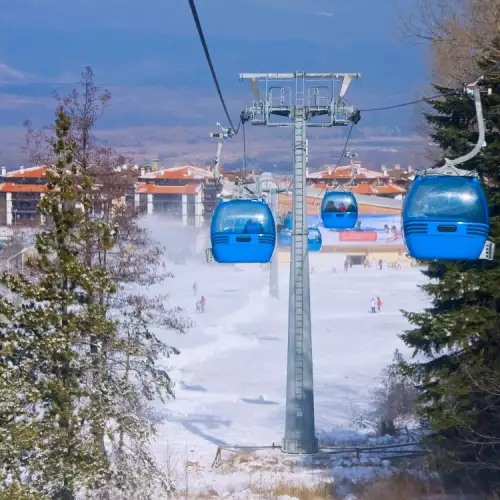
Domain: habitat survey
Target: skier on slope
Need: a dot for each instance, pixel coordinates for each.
(379, 304)
(373, 305)
(202, 303)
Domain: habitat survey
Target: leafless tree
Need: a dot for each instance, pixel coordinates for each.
(459, 33)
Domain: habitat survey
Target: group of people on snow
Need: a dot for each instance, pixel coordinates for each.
(376, 304)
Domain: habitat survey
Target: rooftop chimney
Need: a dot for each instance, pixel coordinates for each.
(136, 167)
(4, 171)
(125, 166)
(143, 171)
(397, 167)
(21, 169)
(329, 170)
(410, 168)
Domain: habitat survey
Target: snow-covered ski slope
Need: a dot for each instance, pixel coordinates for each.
(230, 375)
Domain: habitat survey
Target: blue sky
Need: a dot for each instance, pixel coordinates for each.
(148, 54)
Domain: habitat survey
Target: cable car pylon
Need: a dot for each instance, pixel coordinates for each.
(297, 110)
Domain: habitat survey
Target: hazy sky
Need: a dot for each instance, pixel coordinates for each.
(148, 54)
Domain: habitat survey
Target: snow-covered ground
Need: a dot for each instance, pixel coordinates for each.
(230, 375)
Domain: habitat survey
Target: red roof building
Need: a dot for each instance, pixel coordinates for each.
(363, 180)
(21, 191)
(390, 190)
(187, 193)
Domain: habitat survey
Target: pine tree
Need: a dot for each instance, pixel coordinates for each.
(47, 406)
(457, 339)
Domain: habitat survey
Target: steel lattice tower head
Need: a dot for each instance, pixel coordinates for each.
(301, 106)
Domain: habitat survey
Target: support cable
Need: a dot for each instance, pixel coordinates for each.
(210, 64)
(410, 103)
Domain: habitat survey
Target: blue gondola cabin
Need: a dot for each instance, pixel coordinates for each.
(339, 210)
(243, 231)
(314, 239)
(445, 218)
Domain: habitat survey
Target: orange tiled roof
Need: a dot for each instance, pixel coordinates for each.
(366, 188)
(377, 190)
(180, 173)
(27, 173)
(150, 188)
(12, 187)
(345, 172)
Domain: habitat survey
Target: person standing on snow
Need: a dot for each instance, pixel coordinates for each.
(373, 305)
(202, 303)
(379, 304)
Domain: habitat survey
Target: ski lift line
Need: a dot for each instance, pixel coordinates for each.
(430, 98)
(209, 61)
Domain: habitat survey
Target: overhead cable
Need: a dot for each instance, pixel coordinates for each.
(210, 64)
(409, 103)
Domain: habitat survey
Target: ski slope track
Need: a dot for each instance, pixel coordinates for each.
(231, 374)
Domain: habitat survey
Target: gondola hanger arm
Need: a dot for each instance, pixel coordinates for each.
(475, 90)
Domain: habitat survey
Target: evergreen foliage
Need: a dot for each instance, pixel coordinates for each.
(457, 339)
(47, 406)
(79, 358)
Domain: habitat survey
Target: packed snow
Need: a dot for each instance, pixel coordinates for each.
(230, 376)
